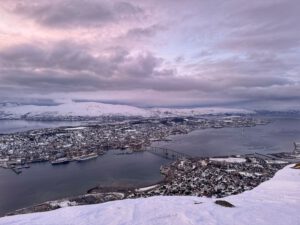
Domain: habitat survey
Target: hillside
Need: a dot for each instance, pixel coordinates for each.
(93, 109)
(274, 202)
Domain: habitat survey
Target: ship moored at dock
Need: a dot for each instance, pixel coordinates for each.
(60, 161)
(87, 157)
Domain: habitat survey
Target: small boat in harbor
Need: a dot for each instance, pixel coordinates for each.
(26, 166)
(87, 157)
(60, 161)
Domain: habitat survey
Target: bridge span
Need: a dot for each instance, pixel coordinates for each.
(166, 152)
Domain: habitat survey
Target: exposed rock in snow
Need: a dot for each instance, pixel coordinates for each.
(93, 109)
(273, 202)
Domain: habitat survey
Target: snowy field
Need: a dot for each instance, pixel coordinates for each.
(274, 202)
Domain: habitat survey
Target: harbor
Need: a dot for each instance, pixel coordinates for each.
(129, 168)
(44, 181)
(65, 144)
(209, 177)
(82, 158)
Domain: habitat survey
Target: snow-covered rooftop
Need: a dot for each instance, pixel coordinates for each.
(274, 202)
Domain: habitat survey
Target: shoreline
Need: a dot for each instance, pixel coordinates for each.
(221, 178)
(279, 194)
(52, 144)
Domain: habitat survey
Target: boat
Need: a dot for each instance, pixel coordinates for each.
(60, 161)
(87, 157)
(26, 166)
(18, 167)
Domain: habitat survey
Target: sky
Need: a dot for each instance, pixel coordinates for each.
(236, 53)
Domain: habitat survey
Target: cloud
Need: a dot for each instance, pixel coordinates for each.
(77, 13)
(152, 52)
(67, 67)
(265, 26)
(144, 32)
(70, 67)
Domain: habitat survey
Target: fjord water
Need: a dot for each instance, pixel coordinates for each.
(44, 182)
(12, 126)
(277, 136)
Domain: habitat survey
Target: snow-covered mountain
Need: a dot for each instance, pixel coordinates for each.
(82, 109)
(274, 202)
(93, 109)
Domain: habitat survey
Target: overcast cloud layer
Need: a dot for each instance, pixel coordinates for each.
(152, 53)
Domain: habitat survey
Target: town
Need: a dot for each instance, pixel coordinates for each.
(65, 144)
(209, 177)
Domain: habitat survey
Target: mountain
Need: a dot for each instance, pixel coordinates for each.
(274, 202)
(71, 110)
(75, 110)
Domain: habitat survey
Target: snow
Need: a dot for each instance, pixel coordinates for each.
(94, 109)
(274, 202)
(147, 188)
(91, 109)
(246, 174)
(75, 128)
(229, 160)
(275, 161)
(63, 204)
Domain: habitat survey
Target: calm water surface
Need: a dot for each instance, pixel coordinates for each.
(44, 182)
(12, 126)
(277, 136)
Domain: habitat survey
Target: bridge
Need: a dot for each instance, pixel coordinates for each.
(166, 153)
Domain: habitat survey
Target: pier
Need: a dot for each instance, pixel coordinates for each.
(283, 156)
(167, 153)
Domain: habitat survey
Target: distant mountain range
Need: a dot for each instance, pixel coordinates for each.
(93, 110)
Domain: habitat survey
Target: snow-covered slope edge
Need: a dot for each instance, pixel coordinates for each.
(273, 202)
(93, 109)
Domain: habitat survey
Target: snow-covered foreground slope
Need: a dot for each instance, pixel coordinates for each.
(93, 109)
(273, 202)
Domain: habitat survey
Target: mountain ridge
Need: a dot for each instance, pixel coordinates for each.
(93, 109)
